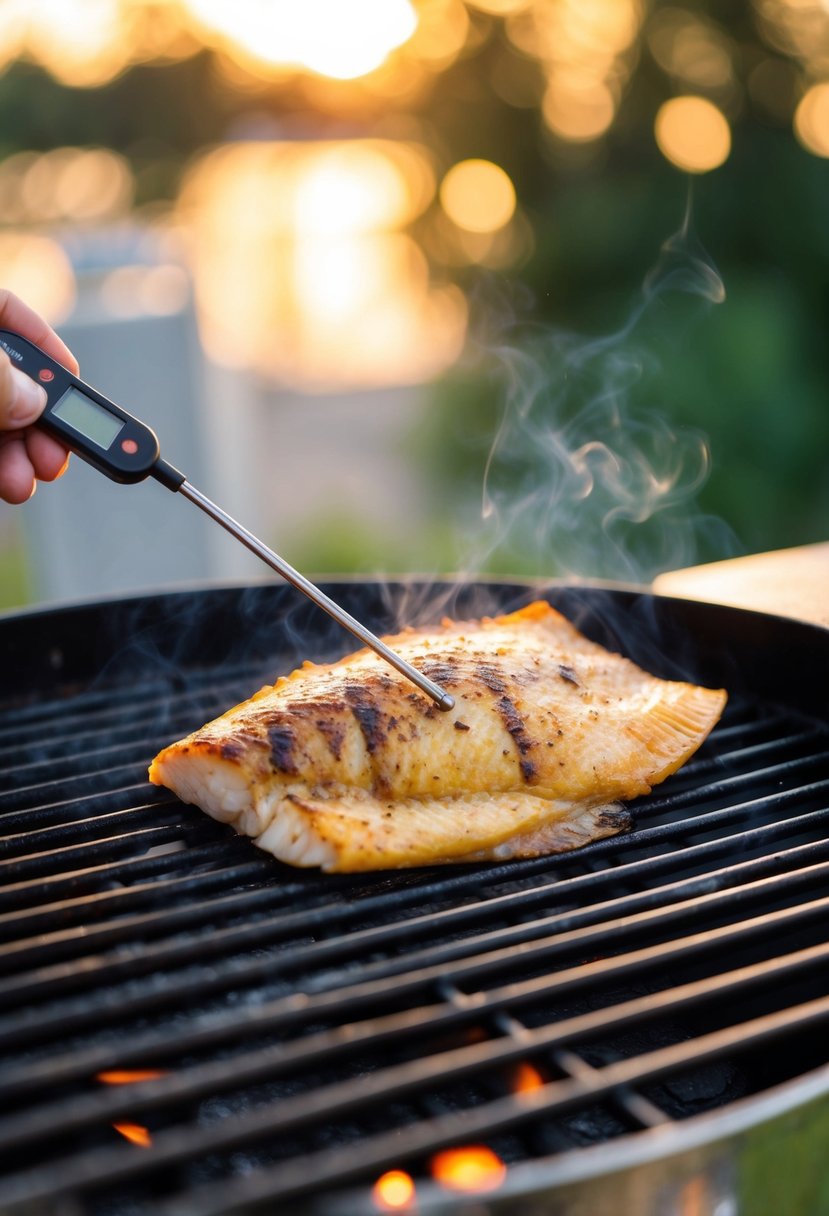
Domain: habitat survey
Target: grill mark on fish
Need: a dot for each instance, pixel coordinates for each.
(333, 733)
(491, 677)
(369, 717)
(442, 671)
(517, 728)
(327, 718)
(283, 742)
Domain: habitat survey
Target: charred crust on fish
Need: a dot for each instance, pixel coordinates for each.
(231, 749)
(516, 727)
(442, 671)
(369, 717)
(489, 675)
(333, 733)
(616, 817)
(283, 742)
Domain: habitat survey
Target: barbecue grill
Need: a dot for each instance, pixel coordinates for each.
(189, 1027)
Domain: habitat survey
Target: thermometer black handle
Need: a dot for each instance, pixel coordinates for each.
(88, 423)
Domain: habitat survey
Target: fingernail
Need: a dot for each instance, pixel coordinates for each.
(29, 399)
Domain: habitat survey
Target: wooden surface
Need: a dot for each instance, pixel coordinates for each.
(789, 582)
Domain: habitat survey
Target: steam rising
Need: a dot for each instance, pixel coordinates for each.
(586, 477)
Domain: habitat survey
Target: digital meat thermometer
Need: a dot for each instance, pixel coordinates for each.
(125, 450)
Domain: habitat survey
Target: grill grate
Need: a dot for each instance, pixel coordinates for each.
(299, 1033)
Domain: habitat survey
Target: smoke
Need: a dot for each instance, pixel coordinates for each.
(586, 476)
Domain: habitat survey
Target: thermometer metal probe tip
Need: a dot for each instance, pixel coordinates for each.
(176, 482)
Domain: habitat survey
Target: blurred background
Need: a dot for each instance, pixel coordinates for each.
(520, 286)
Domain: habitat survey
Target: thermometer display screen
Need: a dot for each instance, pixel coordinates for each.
(88, 418)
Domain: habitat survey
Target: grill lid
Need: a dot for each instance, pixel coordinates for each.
(288, 1036)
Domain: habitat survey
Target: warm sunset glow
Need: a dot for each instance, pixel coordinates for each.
(693, 134)
(303, 270)
(478, 196)
(37, 269)
(329, 37)
(129, 1076)
(811, 120)
(81, 45)
(85, 43)
(135, 1133)
(472, 1168)
(527, 1079)
(394, 1191)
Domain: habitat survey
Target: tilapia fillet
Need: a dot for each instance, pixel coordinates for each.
(348, 767)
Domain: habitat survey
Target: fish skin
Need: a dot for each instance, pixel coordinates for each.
(347, 766)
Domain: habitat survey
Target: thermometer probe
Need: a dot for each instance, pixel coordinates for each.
(126, 450)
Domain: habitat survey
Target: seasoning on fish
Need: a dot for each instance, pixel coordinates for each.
(347, 767)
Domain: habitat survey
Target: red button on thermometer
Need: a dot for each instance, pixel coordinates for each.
(125, 450)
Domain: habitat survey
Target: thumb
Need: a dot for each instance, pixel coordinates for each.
(21, 399)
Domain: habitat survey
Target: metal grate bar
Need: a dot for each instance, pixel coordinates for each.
(416, 984)
(84, 882)
(262, 931)
(454, 1008)
(401, 1147)
(175, 1146)
(488, 952)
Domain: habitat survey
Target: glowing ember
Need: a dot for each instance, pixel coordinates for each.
(129, 1076)
(471, 1168)
(393, 1191)
(135, 1133)
(527, 1079)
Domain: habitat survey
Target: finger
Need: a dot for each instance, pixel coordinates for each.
(48, 457)
(16, 315)
(21, 399)
(17, 476)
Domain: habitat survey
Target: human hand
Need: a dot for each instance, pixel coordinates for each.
(27, 455)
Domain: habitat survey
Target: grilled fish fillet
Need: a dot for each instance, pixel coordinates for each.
(348, 767)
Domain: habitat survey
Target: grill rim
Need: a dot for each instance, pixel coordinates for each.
(609, 1159)
(54, 647)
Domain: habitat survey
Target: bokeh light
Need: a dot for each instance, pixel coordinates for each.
(478, 196)
(36, 268)
(691, 48)
(587, 52)
(74, 184)
(811, 120)
(693, 134)
(578, 109)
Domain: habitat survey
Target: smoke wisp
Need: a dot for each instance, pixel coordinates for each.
(587, 477)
